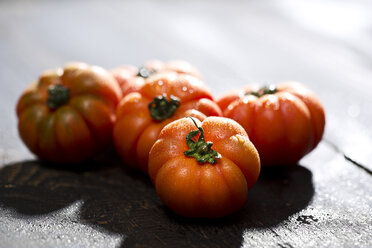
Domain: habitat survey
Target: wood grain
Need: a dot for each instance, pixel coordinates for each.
(288, 206)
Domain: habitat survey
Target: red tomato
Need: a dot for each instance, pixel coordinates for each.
(163, 98)
(203, 169)
(181, 67)
(284, 122)
(131, 78)
(69, 113)
(126, 75)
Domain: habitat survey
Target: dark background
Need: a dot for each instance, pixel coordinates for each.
(325, 201)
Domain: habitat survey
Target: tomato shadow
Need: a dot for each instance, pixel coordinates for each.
(279, 193)
(123, 201)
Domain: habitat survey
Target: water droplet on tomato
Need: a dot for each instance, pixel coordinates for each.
(240, 138)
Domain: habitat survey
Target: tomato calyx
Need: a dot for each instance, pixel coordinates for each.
(265, 90)
(58, 95)
(161, 108)
(199, 149)
(143, 72)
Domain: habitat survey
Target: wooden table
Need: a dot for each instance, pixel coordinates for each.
(326, 201)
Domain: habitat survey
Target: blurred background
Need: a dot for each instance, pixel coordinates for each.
(325, 44)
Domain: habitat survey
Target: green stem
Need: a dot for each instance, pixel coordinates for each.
(144, 72)
(161, 109)
(199, 149)
(265, 90)
(58, 95)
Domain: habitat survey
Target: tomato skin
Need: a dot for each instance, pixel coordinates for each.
(78, 129)
(126, 76)
(284, 126)
(181, 67)
(129, 81)
(204, 190)
(136, 131)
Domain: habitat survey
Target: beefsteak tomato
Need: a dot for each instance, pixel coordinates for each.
(163, 98)
(284, 122)
(131, 78)
(67, 116)
(203, 169)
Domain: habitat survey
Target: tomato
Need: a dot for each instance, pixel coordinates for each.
(284, 122)
(126, 76)
(180, 66)
(131, 78)
(163, 98)
(203, 169)
(67, 116)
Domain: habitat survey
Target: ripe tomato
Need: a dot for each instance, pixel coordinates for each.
(131, 78)
(284, 122)
(203, 169)
(69, 113)
(179, 66)
(126, 76)
(163, 98)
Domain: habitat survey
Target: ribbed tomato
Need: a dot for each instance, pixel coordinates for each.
(69, 113)
(128, 79)
(284, 122)
(131, 78)
(203, 169)
(163, 98)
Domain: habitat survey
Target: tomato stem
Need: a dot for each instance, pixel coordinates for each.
(199, 149)
(58, 95)
(265, 90)
(161, 109)
(144, 72)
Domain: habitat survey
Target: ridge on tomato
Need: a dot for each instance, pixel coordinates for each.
(285, 121)
(131, 78)
(67, 115)
(163, 98)
(203, 169)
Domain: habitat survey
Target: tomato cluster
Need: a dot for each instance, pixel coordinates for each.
(163, 120)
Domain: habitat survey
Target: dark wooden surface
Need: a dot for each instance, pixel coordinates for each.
(326, 201)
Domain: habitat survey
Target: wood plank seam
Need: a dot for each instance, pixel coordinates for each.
(347, 158)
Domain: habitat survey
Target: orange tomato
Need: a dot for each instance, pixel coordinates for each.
(163, 98)
(284, 122)
(131, 78)
(69, 113)
(203, 169)
(126, 76)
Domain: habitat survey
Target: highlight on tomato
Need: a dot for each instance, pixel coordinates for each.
(203, 169)
(131, 78)
(68, 114)
(163, 98)
(284, 121)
